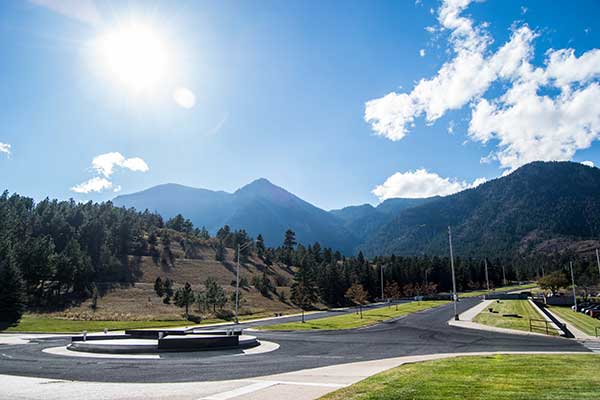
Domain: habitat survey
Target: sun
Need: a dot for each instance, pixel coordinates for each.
(134, 55)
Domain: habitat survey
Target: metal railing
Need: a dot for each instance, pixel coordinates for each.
(540, 324)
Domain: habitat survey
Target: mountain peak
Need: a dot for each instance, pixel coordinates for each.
(261, 187)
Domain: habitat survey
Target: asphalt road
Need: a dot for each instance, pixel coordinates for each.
(422, 333)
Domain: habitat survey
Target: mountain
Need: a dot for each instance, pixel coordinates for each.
(536, 207)
(259, 207)
(364, 220)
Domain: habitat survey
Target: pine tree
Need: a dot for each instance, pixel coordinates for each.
(12, 294)
(260, 246)
(184, 297)
(289, 242)
(159, 287)
(304, 288)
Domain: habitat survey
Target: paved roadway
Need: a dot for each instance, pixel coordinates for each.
(422, 333)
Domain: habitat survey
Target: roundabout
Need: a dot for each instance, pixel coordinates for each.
(422, 333)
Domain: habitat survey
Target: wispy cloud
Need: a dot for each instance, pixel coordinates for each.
(5, 148)
(81, 10)
(105, 165)
(419, 184)
(525, 125)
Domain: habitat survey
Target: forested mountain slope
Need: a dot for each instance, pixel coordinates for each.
(538, 204)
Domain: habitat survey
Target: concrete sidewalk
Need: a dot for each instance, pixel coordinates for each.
(306, 384)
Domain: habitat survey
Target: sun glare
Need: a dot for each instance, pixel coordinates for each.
(134, 55)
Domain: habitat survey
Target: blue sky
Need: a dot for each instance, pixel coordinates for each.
(280, 90)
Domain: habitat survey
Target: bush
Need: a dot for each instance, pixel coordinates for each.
(224, 314)
(194, 318)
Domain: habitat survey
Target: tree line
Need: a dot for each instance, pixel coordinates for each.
(54, 253)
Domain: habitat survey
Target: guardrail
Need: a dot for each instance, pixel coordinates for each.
(541, 324)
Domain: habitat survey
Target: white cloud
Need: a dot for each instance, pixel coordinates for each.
(95, 184)
(419, 184)
(105, 164)
(588, 163)
(184, 97)
(422, 52)
(545, 113)
(5, 148)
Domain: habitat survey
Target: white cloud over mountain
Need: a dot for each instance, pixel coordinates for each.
(420, 183)
(5, 148)
(544, 112)
(105, 165)
(96, 184)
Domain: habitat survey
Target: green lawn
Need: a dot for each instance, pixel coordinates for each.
(522, 308)
(350, 321)
(581, 321)
(500, 289)
(501, 377)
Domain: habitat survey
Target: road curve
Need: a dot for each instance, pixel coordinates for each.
(422, 333)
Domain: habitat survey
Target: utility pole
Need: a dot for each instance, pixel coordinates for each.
(487, 280)
(237, 279)
(454, 295)
(503, 275)
(573, 283)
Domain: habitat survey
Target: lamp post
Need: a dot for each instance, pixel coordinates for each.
(598, 261)
(573, 283)
(487, 279)
(381, 270)
(454, 295)
(237, 278)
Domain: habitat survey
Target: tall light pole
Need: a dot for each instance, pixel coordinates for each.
(573, 283)
(487, 280)
(598, 261)
(381, 269)
(503, 275)
(237, 278)
(454, 295)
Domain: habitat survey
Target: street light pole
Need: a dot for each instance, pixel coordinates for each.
(381, 269)
(487, 280)
(573, 283)
(598, 261)
(237, 279)
(454, 295)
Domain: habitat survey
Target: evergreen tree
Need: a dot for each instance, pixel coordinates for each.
(159, 287)
(304, 289)
(168, 289)
(260, 246)
(220, 251)
(12, 294)
(184, 297)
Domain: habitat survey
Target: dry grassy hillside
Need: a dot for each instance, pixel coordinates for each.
(140, 302)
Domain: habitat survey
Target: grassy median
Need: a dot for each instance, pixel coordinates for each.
(499, 289)
(501, 377)
(583, 322)
(350, 321)
(512, 314)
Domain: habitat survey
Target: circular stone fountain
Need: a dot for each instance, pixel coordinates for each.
(151, 341)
